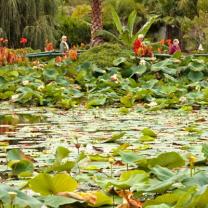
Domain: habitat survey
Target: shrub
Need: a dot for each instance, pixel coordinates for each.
(104, 55)
(76, 30)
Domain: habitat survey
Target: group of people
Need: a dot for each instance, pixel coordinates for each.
(139, 46)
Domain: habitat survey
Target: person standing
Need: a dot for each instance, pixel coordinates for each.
(64, 47)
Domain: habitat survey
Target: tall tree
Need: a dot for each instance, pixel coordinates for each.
(96, 23)
(30, 18)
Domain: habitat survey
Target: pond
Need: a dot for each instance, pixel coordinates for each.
(39, 131)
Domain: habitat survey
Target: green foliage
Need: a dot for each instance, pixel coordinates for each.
(126, 33)
(35, 19)
(103, 55)
(77, 30)
(20, 199)
(46, 184)
(20, 164)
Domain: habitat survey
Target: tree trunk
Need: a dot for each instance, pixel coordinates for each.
(97, 23)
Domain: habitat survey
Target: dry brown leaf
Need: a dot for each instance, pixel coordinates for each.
(128, 200)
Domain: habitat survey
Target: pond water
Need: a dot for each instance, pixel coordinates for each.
(39, 131)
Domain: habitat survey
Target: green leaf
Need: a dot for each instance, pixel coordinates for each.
(119, 61)
(22, 168)
(46, 184)
(195, 76)
(131, 179)
(96, 101)
(149, 132)
(168, 159)
(61, 153)
(116, 20)
(101, 199)
(158, 206)
(15, 154)
(21, 199)
(57, 201)
(129, 157)
(114, 137)
(146, 138)
(131, 21)
(50, 74)
(145, 28)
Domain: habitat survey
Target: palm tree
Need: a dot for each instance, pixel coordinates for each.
(96, 23)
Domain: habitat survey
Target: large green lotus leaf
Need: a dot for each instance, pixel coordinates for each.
(119, 61)
(139, 70)
(127, 101)
(60, 166)
(21, 199)
(159, 206)
(168, 159)
(46, 184)
(200, 179)
(197, 65)
(162, 173)
(101, 199)
(50, 74)
(129, 157)
(15, 154)
(160, 186)
(195, 76)
(96, 101)
(170, 198)
(61, 153)
(131, 179)
(22, 168)
(149, 132)
(57, 201)
(162, 65)
(169, 70)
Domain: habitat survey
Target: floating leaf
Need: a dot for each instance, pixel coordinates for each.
(46, 184)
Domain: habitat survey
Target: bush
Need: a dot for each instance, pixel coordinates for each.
(104, 55)
(77, 31)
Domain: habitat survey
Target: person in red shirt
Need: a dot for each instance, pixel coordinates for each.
(138, 44)
(174, 47)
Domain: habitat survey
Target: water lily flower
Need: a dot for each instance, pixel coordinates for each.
(25, 82)
(14, 97)
(142, 62)
(183, 99)
(41, 87)
(152, 104)
(114, 78)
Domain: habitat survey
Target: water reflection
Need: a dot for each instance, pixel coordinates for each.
(9, 122)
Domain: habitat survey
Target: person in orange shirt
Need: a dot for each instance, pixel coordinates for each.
(138, 43)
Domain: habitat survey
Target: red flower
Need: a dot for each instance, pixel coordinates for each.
(1, 40)
(169, 41)
(162, 42)
(23, 40)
